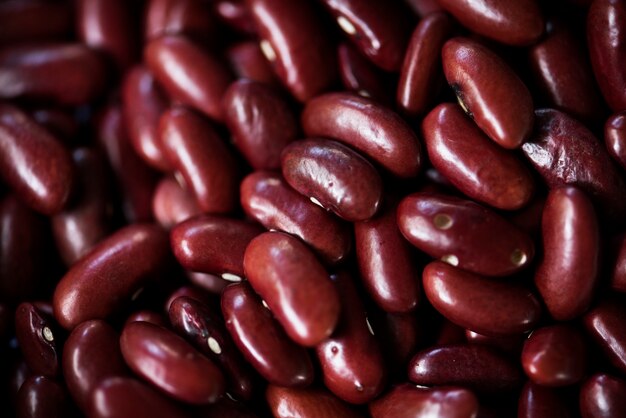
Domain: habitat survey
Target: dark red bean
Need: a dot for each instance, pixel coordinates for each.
(209, 282)
(189, 74)
(475, 73)
(541, 402)
(362, 77)
(38, 339)
(196, 151)
(618, 268)
(476, 367)
(191, 18)
(483, 305)
(262, 340)
(472, 163)
(421, 76)
(516, 22)
(606, 37)
(615, 137)
(294, 40)
(105, 279)
(605, 324)
(407, 401)
(59, 122)
(37, 167)
(236, 15)
(464, 234)
(361, 123)
(42, 397)
(172, 204)
(147, 316)
(269, 200)
(34, 20)
(286, 274)
(306, 403)
(569, 271)
(602, 396)
(190, 292)
(565, 152)
(247, 61)
(171, 364)
(510, 344)
(260, 121)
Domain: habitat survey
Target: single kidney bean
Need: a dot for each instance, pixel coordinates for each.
(172, 204)
(67, 74)
(352, 363)
(105, 279)
(37, 167)
(618, 267)
(565, 152)
(189, 74)
(262, 340)
(286, 274)
(362, 77)
(36, 334)
(34, 20)
(605, 324)
(121, 397)
(337, 178)
(475, 73)
(205, 330)
(213, 244)
(606, 37)
(260, 121)
(568, 273)
(247, 61)
(306, 403)
(602, 396)
(483, 305)
(90, 355)
(476, 367)
(143, 102)
(615, 137)
(421, 75)
(464, 234)
(170, 363)
(472, 163)
(516, 22)
(363, 124)
(555, 356)
(42, 397)
(269, 200)
(236, 15)
(386, 263)
(191, 18)
(407, 401)
(294, 40)
(542, 402)
(201, 156)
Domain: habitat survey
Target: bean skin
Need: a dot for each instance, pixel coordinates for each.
(147, 316)
(362, 77)
(363, 124)
(615, 137)
(423, 8)
(542, 402)
(42, 397)
(247, 61)
(605, 324)
(510, 344)
(181, 17)
(472, 163)
(172, 204)
(286, 274)
(618, 271)
(306, 403)
(568, 273)
(38, 339)
(476, 75)
(602, 396)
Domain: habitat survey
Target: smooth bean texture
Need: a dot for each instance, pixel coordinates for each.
(615, 137)
(38, 338)
(305, 403)
(602, 396)
(42, 397)
(542, 402)
(604, 323)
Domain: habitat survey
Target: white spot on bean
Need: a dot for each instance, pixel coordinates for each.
(268, 50)
(317, 202)
(230, 277)
(442, 221)
(47, 334)
(451, 259)
(346, 25)
(518, 257)
(214, 345)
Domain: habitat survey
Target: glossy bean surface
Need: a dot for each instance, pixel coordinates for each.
(305, 403)
(37, 335)
(172, 204)
(615, 137)
(42, 397)
(602, 396)
(542, 402)
(605, 325)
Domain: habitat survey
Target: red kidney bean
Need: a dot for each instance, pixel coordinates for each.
(380, 30)
(260, 121)
(399, 336)
(605, 324)
(120, 397)
(33, 162)
(407, 401)
(42, 397)
(147, 316)
(335, 176)
(306, 403)
(472, 163)
(268, 199)
(352, 363)
(90, 355)
(370, 128)
(80, 74)
(212, 244)
(476, 367)
(421, 75)
(424, 7)
(602, 396)
(618, 266)
(143, 104)
(199, 154)
(34, 20)
(386, 262)
(205, 330)
(190, 292)
(483, 305)
(191, 18)
(60, 123)
(106, 278)
(516, 22)
(362, 77)
(172, 204)
(294, 40)
(36, 334)
(286, 274)
(170, 363)
(464, 234)
(565, 152)
(541, 402)
(568, 273)
(261, 339)
(247, 61)
(236, 15)
(475, 73)
(615, 137)
(189, 74)
(555, 356)
(606, 37)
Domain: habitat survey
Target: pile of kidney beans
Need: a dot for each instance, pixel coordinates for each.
(313, 208)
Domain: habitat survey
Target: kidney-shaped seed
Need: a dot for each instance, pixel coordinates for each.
(42, 397)
(602, 396)
(605, 324)
(38, 338)
(305, 403)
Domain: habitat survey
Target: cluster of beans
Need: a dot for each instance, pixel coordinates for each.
(313, 208)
